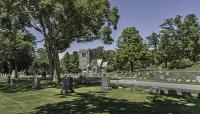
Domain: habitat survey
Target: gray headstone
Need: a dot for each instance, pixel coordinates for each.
(167, 73)
(12, 82)
(147, 73)
(187, 94)
(194, 81)
(198, 78)
(105, 83)
(82, 80)
(36, 83)
(172, 92)
(8, 79)
(13, 74)
(161, 92)
(161, 77)
(198, 95)
(44, 75)
(67, 85)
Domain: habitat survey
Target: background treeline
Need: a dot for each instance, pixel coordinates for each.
(177, 45)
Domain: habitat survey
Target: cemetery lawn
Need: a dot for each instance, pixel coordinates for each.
(24, 100)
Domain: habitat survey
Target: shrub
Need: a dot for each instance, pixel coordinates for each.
(185, 63)
(180, 63)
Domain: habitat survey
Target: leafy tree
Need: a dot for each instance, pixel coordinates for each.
(16, 43)
(130, 48)
(17, 52)
(98, 53)
(192, 32)
(64, 21)
(180, 39)
(40, 63)
(153, 41)
(70, 61)
(165, 48)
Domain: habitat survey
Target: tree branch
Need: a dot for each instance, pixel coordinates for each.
(40, 41)
(35, 25)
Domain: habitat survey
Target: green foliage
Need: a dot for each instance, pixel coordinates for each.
(61, 22)
(40, 63)
(179, 39)
(16, 51)
(153, 41)
(98, 53)
(101, 53)
(131, 49)
(180, 64)
(69, 62)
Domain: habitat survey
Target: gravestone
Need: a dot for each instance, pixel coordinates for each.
(44, 75)
(161, 77)
(186, 94)
(179, 80)
(105, 83)
(139, 73)
(13, 74)
(115, 75)
(198, 78)
(67, 85)
(8, 79)
(187, 81)
(172, 92)
(193, 81)
(82, 80)
(198, 95)
(135, 75)
(13, 81)
(169, 79)
(161, 92)
(167, 73)
(147, 73)
(36, 83)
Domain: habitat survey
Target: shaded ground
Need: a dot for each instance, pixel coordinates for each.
(90, 100)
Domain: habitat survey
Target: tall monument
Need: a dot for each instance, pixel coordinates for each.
(85, 57)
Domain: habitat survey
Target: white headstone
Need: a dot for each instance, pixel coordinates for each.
(167, 73)
(187, 80)
(179, 80)
(13, 74)
(198, 78)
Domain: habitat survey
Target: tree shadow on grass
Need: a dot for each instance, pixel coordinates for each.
(23, 85)
(20, 86)
(90, 103)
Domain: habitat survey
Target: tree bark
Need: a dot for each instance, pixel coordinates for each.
(53, 59)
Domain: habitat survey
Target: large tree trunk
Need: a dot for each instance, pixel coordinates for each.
(53, 59)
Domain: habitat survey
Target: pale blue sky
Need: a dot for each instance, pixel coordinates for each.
(145, 15)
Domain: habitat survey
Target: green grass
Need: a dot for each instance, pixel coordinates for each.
(24, 100)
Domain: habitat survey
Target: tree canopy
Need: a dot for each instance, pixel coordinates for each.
(62, 22)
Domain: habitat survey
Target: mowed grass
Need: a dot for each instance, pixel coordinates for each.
(88, 100)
